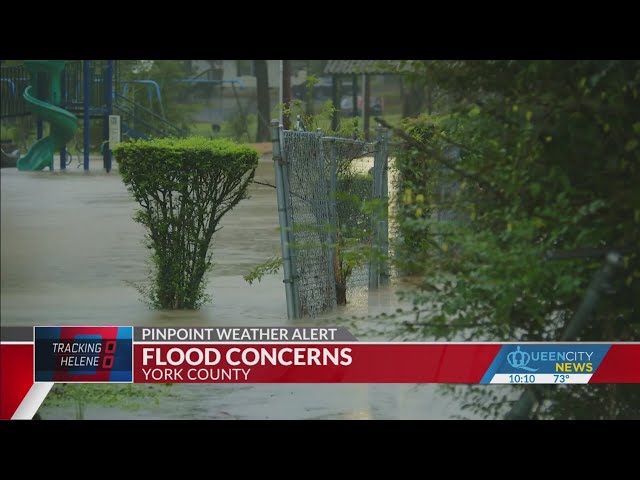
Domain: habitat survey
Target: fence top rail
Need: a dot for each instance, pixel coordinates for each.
(302, 133)
(348, 140)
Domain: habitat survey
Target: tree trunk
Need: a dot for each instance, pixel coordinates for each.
(341, 281)
(264, 109)
(412, 100)
(309, 93)
(286, 91)
(335, 98)
(341, 293)
(366, 93)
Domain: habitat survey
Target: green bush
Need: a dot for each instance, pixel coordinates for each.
(546, 184)
(353, 226)
(184, 186)
(7, 133)
(353, 193)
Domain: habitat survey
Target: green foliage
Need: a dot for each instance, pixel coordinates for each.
(239, 127)
(416, 180)
(8, 133)
(353, 196)
(123, 396)
(348, 128)
(549, 163)
(22, 131)
(354, 212)
(354, 207)
(269, 267)
(166, 73)
(184, 186)
(76, 144)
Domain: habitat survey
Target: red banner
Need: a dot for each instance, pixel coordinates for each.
(16, 377)
(340, 362)
(312, 363)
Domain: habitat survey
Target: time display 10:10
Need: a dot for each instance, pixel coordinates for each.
(522, 378)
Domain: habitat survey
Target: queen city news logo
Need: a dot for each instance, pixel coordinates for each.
(520, 359)
(554, 359)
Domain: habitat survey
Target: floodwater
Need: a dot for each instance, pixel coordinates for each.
(70, 252)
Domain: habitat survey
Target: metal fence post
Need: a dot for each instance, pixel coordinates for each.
(294, 279)
(384, 192)
(378, 274)
(374, 261)
(333, 192)
(333, 215)
(331, 238)
(283, 218)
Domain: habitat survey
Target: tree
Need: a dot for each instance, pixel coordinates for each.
(544, 186)
(264, 109)
(184, 188)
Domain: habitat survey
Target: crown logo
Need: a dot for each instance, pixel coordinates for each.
(520, 360)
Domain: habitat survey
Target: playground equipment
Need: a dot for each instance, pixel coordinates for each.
(63, 124)
(87, 89)
(153, 92)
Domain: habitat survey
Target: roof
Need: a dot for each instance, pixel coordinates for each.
(370, 67)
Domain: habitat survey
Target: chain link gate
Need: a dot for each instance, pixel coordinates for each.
(334, 239)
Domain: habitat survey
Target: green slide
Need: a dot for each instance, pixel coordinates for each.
(63, 124)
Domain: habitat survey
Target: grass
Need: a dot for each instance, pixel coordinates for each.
(237, 128)
(201, 129)
(234, 129)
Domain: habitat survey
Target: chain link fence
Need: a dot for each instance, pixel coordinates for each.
(332, 201)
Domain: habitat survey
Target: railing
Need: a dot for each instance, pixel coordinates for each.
(72, 87)
(141, 118)
(13, 81)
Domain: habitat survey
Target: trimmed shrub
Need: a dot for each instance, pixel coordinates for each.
(185, 187)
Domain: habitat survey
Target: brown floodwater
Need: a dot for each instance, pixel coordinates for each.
(70, 253)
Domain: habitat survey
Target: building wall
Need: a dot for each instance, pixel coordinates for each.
(242, 70)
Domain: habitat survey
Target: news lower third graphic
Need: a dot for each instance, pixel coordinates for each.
(32, 359)
(83, 354)
(546, 363)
